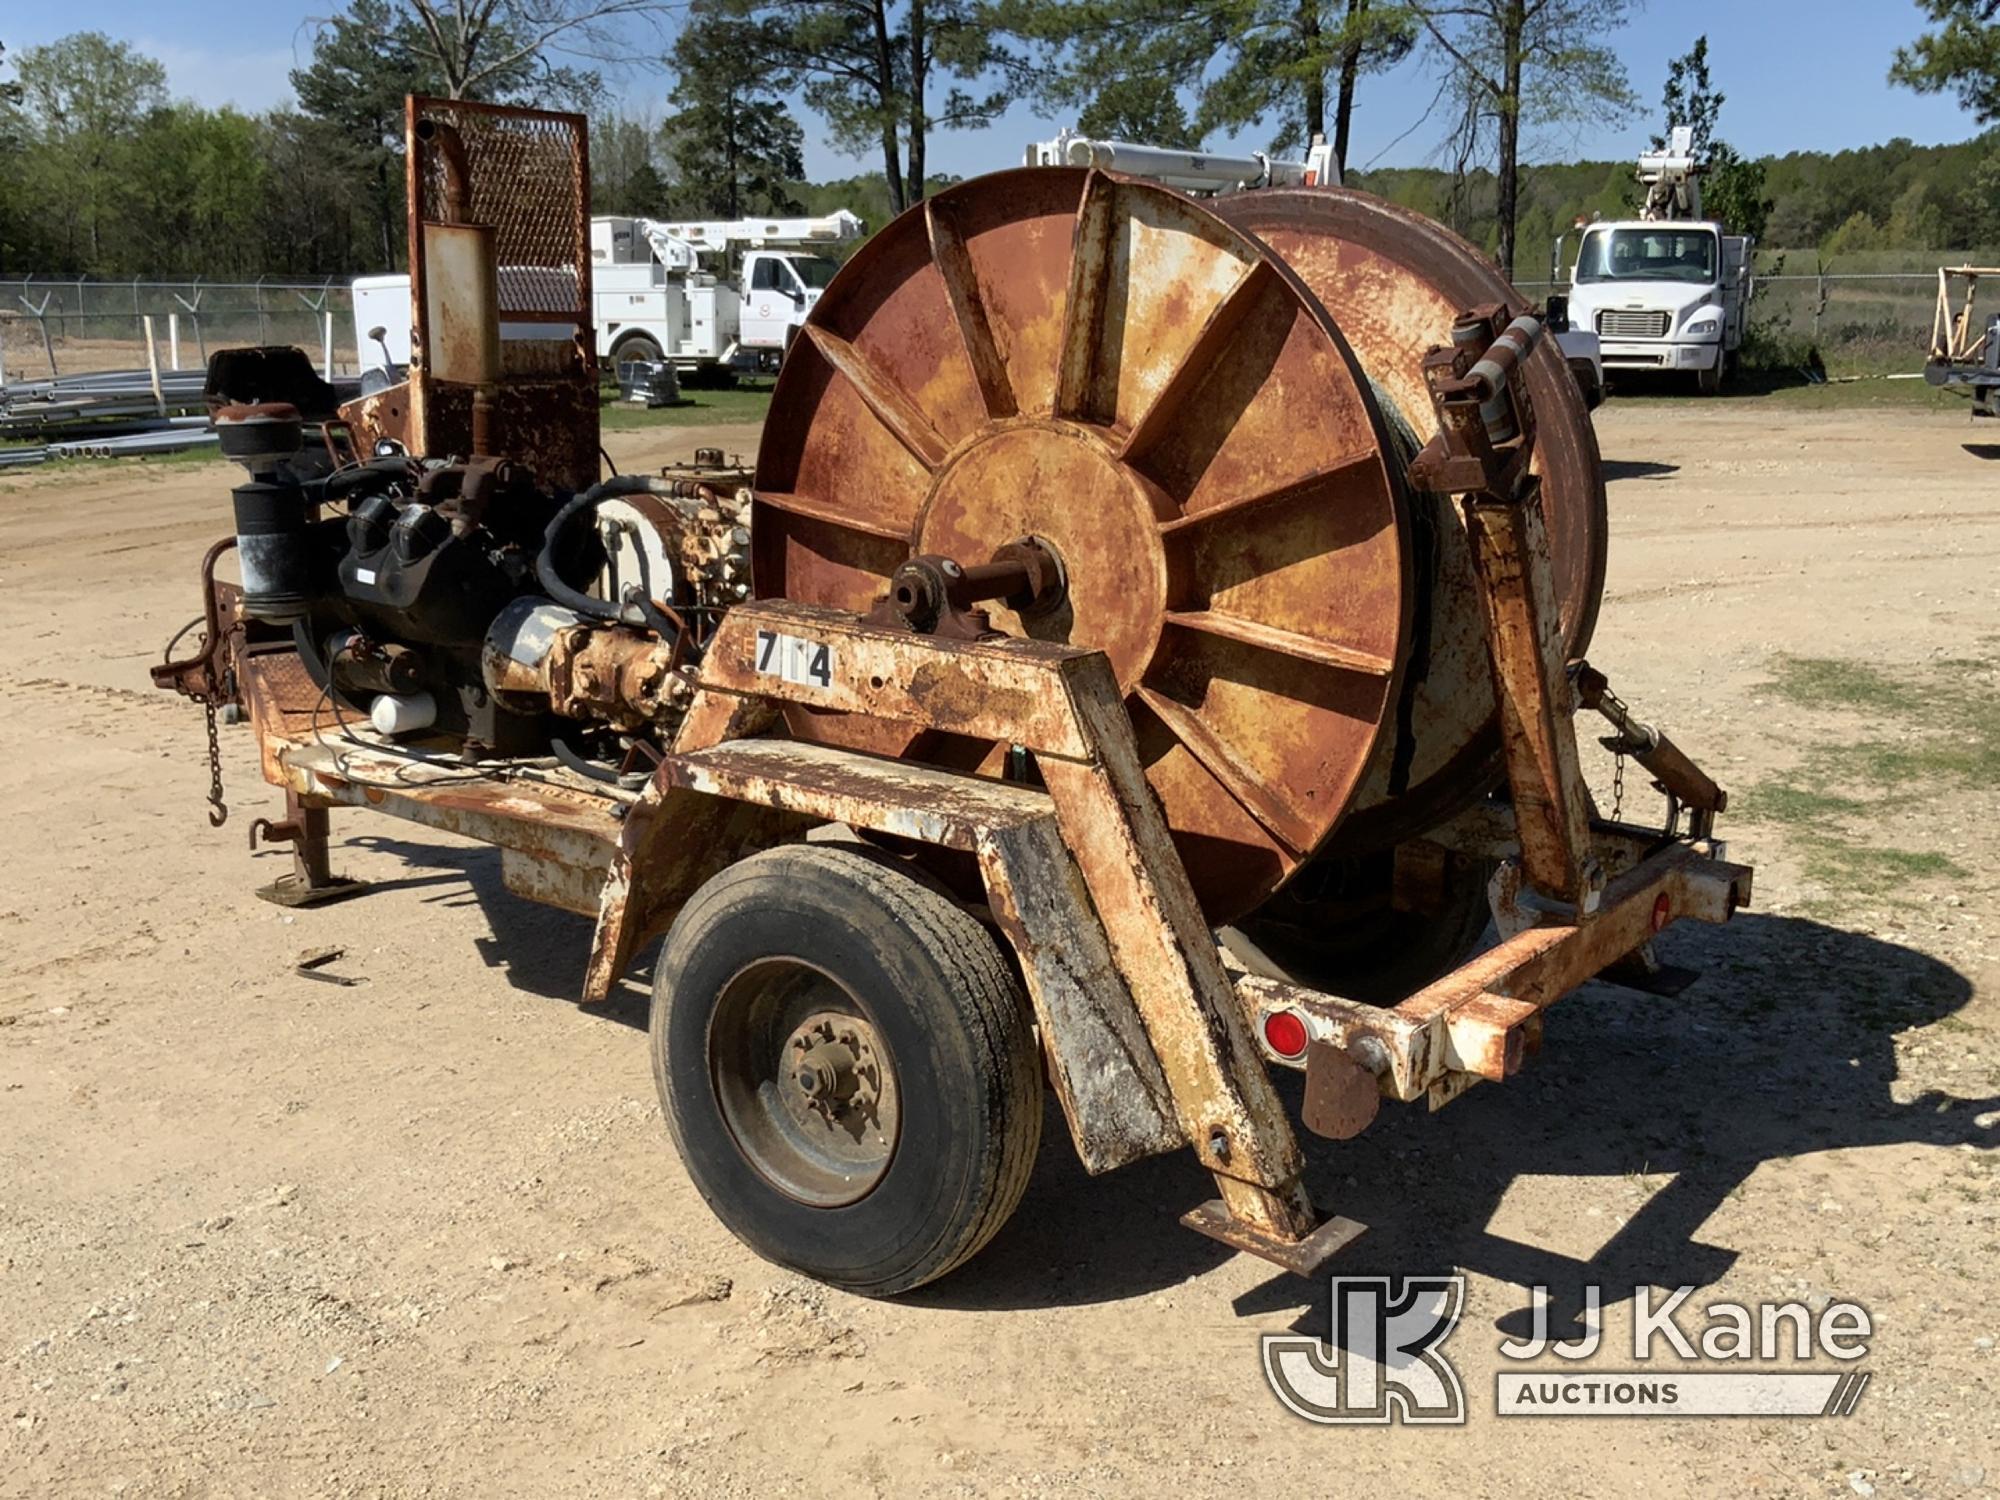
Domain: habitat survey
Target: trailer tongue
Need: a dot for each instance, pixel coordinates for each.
(1093, 595)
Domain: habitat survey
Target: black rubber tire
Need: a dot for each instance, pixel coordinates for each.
(933, 983)
(636, 348)
(1333, 928)
(1708, 382)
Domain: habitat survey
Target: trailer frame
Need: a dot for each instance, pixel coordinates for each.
(1153, 1036)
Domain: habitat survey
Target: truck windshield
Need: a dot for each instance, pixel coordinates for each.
(1652, 253)
(814, 271)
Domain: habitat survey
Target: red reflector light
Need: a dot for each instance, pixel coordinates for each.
(1662, 909)
(1285, 1033)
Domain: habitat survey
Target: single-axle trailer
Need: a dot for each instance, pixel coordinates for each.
(825, 1008)
(1120, 703)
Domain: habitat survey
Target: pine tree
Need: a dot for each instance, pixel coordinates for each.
(732, 146)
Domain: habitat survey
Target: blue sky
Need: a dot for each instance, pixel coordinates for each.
(1799, 75)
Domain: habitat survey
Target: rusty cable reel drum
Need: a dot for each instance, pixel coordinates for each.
(1107, 368)
(1394, 281)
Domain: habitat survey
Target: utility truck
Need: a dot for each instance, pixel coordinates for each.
(1965, 342)
(1669, 291)
(731, 292)
(694, 294)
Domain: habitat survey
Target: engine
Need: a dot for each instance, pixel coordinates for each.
(465, 607)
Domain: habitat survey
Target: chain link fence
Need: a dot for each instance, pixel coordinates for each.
(52, 327)
(1859, 322)
(1856, 320)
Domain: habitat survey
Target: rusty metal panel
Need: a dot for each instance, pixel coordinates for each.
(538, 819)
(1537, 707)
(1306, 1256)
(1105, 366)
(1394, 281)
(670, 842)
(1342, 1097)
(985, 689)
(523, 175)
(574, 888)
(1479, 1020)
(283, 703)
(1167, 955)
(461, 304)
(1105, 1073)
(841, 786)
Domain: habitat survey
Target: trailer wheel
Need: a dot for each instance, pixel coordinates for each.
(846, 1064)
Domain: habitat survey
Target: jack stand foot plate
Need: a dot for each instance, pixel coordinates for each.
(1643, 972)
(289, 890)
(1301, 1257)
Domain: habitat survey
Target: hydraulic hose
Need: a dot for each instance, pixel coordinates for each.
(570, 756)
(641, 610)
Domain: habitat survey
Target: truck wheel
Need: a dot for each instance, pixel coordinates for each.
(636, 348)
(1709, 382)
(846, 1064)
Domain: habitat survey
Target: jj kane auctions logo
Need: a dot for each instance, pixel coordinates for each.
(1385, 1361)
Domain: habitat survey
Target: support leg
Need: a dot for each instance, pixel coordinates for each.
(311, 882)
(1537, 722)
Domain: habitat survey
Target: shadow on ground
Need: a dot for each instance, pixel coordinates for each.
(1742, 382)
(1784, 1049)
(540, 948)
(1620, 468)
(1983, 450)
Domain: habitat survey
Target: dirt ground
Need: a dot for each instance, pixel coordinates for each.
(425, 1235)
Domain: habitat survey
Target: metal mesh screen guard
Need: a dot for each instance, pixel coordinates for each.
(529, 178)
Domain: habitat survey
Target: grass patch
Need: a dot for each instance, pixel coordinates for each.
(1821, 682)
(1843, 395)
(1802, 807)
(1835, 395)
(1873, 869)
(1946, 722)
(699, 408)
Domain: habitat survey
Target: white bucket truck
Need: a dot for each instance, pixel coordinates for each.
(707, 292)
(693, 294)
(1669, 291)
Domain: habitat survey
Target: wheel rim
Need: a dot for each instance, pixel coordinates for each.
(804, 1082)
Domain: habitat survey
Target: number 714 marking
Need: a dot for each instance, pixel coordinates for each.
(794, 659)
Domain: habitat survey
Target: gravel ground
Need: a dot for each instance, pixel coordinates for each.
(424, 1235)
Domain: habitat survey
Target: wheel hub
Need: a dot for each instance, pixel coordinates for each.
(805, 1083)
(836, 1076)
(1063, 483)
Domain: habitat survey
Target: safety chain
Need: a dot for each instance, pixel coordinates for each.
(1617, 784)
(218, 810)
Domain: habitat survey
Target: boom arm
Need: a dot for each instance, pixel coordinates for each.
(1672, 179)
(1191, 171)
(679, 246)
